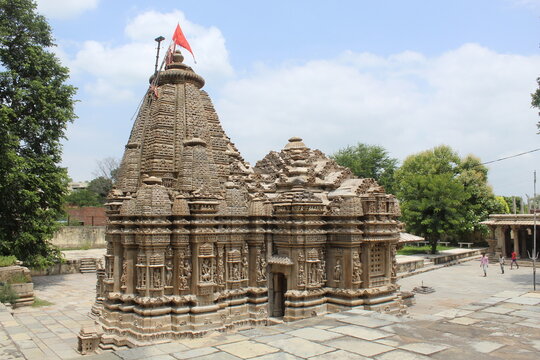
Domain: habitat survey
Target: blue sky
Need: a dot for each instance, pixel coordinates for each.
(404, 75)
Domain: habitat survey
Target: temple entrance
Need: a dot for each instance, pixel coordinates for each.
(280, 287)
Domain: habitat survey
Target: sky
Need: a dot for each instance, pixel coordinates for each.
(406, 75)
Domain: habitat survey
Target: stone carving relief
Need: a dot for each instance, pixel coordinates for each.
(184, 268)
(338, 270)
(394, 262)
(261, 263)
(313, 264)
(245, 264)
(156, 278)
(357, 268)
(301, 269)
(168, 273)
(206, 263)
(322, 266)
(233, 263)
(220, 265)
(123, 278)
(206, 270)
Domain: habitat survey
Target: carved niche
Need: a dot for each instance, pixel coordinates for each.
(206, 263)
(142, 281)
(313, 264)
(184, 268)
(234, 264)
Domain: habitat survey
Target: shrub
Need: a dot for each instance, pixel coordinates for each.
(7, 260)
(7, 294)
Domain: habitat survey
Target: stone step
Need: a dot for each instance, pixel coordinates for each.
(88, 265)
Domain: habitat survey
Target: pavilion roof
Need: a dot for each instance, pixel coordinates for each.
(511, 219)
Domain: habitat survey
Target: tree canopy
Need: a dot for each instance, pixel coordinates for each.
(535, 101)
(442, 195)
(369, 161)
(36, 105)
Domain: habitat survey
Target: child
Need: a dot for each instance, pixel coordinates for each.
(501, 262)
(514, 260)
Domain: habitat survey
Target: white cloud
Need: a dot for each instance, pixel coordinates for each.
(65, 9)
(124, 66)
(471, 98)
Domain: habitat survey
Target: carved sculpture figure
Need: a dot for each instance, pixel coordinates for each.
(206, 270)
(337, 270)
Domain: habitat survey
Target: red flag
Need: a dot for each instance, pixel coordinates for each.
(179, 39)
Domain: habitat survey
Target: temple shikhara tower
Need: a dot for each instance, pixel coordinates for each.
(199, 240)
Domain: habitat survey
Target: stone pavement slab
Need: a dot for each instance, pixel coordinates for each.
(360, 332)
(190, 354)
(424, 348)
(247, 349)
(401, 355)
(301, 347)
(314, 334)
(339, 355)
(278, 356)
(366, 321)
(464, 320)
(486, 346)
(523, 300)
(359, 346)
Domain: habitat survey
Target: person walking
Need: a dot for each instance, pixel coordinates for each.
(514, 260)
(484, 263)
(501, 262)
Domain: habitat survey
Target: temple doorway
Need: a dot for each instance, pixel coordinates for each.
(280, 287)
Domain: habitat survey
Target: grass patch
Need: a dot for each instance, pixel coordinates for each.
(40, 302)
(7, 294)
(7, 260)
(413, 250)
(82, 247)
(18, 278)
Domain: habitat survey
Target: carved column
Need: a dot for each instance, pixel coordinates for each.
(515, 232)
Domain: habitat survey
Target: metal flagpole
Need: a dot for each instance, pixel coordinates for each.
(159, 39)
(534, 255)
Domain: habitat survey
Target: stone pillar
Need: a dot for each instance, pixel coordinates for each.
(118, 264)
(130, 261)
(498, 234)
(515, 232)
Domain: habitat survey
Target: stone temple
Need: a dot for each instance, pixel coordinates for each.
(199, 240)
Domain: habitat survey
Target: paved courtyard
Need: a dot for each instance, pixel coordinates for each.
(468, 316)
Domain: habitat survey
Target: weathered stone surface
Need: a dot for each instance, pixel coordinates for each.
(198, 240)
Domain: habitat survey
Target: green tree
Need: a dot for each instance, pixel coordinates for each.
(83, 197)
(369, 161)
(431, 195)
(100, 187)
(481, 202)
(35, 108)
(510, 200)
(535, 101)
(505, 209)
